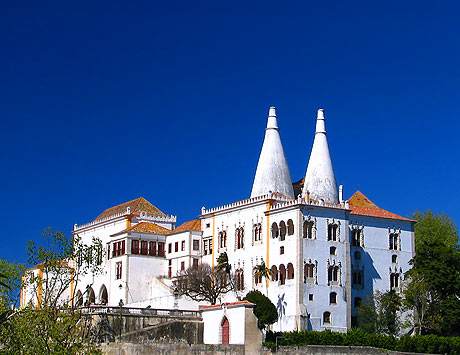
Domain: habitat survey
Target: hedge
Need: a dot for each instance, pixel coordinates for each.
(431, 344)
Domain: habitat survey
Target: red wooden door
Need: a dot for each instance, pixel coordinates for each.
(225, 331)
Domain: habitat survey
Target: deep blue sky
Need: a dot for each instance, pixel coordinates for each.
(105, 101)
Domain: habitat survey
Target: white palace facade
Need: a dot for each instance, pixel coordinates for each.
(326, 253)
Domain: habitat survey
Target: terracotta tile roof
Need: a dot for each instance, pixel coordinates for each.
(361, 205)
(138, 205)
(194, 225)
(229, 304)
(145, 227)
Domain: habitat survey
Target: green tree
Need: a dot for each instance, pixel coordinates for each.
(265, 310)
(380, 313)
(223, 264)
(50, 325)
(262, 271)
(433, 290)
(10, 284)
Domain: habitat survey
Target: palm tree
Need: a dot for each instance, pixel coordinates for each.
(223, 264)
(262, 270)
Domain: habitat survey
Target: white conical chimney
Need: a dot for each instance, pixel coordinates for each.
(272, 174)
(320, 178)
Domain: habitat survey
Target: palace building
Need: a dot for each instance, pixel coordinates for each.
(326, 253)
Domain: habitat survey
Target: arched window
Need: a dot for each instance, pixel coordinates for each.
(225, 330)
(308, 230)
(332, 232)
(240, 238)
(257, 279)
(78, 299)
(290, 271)
(327, 318)
(275, 230)
(333, 250)
(103, 295)
(309, 273)
(282, 230)
(91, 298)
(394, 258)
(275, 273)
(223, 239)
(282, 274)
(333, 275)
(257, 232)
(290, 227)
(239, 276)
(333, 298)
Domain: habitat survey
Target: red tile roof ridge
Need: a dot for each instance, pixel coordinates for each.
(134, 205)
(228, 304)
(194, 225)
(361, 205)
(152, 228)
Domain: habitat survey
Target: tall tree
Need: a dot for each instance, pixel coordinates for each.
(49, 324)
(433, 290)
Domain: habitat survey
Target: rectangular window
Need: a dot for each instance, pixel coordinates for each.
(176, 247)
(144, 247)
(169, 248)
(182, 245)
(182, 265)
(196, 244)
(281, 250)
(134, 247)
(161, 249)
(152, 248)
(195, 263)
(118, 270)
(205, 247)
(122, 248)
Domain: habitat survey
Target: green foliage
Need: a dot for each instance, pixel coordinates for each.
(51, 325)
(380, 313)
(10, 277)
(434, 284)
(431, 344)
(265, 310)
(222, 263)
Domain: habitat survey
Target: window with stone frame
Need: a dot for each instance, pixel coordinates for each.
(394, 242)
(333, 275)
(394, 280)
(239, 279)
(239, 238)
(118, 270)
(257, 232)
(357, 237)
(196, 244)
(182, 245)
(222, 240)
(144, 247)
(309, 272)
(333, 231)
(309, 228)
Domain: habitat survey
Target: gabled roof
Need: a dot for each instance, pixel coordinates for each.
(194, 225)
(137, 206)
(150, 228)
(361, 205)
